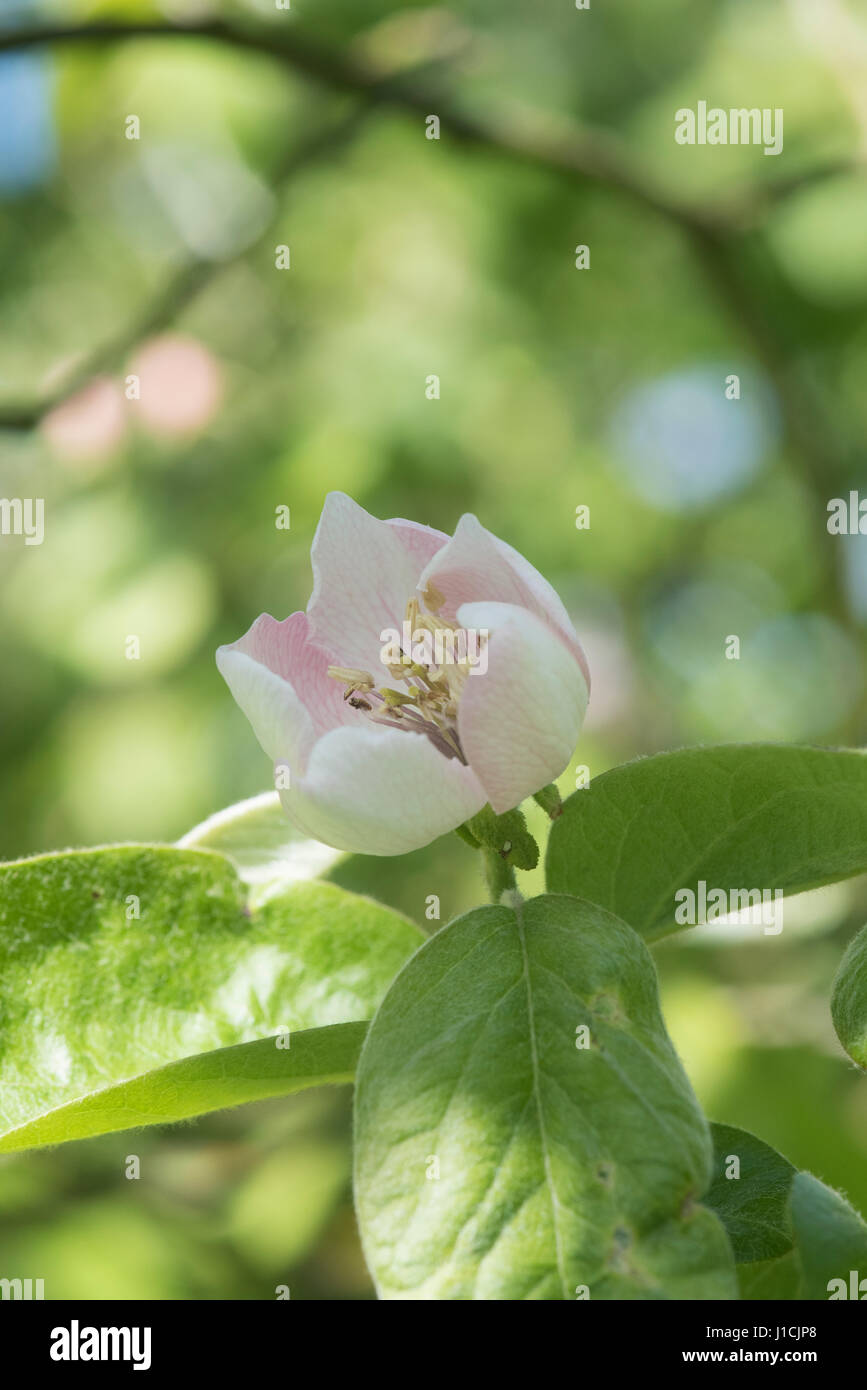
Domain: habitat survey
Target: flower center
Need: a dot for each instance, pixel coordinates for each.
(431, 663)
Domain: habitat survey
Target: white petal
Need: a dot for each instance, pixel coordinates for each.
(279, 678)
(519, 721)
(476, 566)
(380, 791)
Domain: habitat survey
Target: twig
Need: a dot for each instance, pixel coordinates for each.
(592, 154)
(195, 275)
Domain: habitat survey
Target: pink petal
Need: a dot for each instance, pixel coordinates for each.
(519, 721)
(420, 542)
(364, 571)
(279, 678)
(380, 791)
(477, 566)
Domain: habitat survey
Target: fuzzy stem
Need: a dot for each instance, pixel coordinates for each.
(550, 801)
(499, 874)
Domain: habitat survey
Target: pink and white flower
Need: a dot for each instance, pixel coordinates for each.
(383, 758)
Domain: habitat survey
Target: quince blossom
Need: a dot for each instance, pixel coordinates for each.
(429, 676)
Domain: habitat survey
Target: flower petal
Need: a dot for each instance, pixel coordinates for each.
(380, 791)
(364, 571)
(279, 678)
(519, 721)
(476, 566)
(420, 542)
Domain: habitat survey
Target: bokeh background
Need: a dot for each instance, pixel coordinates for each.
(559, 388)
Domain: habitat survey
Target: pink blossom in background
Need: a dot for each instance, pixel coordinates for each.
(181, 386)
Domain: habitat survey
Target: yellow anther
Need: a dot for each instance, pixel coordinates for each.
(395, 698)
(429, 704)
(348, 675)
(433, 599)
(435, 624)
(399, 673)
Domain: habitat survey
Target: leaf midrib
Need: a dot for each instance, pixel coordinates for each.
(543, 1133)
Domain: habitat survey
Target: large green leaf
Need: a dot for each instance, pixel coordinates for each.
(114, 962)
(849, 999)
(559, 1165)
(738, 817)
(196, 1085)
(791, 1235)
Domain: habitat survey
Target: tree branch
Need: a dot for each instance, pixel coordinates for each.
(592, 154)
(193, 277)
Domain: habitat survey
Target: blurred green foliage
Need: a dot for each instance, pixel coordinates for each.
(559, 388)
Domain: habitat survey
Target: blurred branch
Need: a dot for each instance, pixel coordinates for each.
(827, 466)
(810, 429)
(746, 212)
(184, 286)
(716, 232)
(592, 154)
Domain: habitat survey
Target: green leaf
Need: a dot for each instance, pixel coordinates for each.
(559, 1165)
(507, 835)
(791, 1234)
(738, 817)
(830, 1237)
(115, 962)
(262, 843)
(196, 1085)
(751, 1196)
(849, 999)
(771, 1279)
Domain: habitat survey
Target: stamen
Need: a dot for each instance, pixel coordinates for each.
(433, 599)
(351, 676)
(429, 705)
(395, 697)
